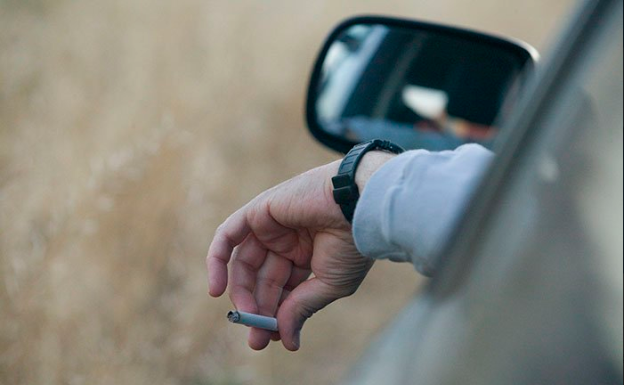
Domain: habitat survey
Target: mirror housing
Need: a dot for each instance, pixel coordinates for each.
(417, 84)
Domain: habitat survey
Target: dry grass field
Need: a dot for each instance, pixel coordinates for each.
(128, 130)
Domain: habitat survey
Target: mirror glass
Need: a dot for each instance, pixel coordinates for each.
(417, 88)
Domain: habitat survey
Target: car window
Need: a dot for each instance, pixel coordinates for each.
(541, 300)
(533, 293)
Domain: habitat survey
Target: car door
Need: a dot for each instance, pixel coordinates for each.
(531, 287)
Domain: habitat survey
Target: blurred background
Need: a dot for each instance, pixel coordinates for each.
(128, 131)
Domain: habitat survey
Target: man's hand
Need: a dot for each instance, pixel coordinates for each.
(277, 240)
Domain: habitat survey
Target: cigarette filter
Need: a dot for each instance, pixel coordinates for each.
(252, 320)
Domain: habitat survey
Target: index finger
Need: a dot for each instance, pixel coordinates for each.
(231, 233)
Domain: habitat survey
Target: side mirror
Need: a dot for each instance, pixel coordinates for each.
(417, 84)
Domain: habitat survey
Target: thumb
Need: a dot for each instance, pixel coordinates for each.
(306, 299)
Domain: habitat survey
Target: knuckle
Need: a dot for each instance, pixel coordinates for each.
(254, 213)
(270, 282)
(307, 311)
(220, 229)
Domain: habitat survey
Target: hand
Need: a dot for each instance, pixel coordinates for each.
(277, 240)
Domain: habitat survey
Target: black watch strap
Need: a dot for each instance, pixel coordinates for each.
(346, 192)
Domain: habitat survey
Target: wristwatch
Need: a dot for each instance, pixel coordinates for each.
(346, 192)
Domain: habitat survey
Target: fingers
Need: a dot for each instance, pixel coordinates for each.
(297, 276)
(247, 260)
(306, 299)
(254, 217)
(231, 233)
(270, 281)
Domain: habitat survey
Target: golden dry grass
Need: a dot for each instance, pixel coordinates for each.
(128, 130)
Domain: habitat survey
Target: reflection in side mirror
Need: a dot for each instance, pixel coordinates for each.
(418, 85)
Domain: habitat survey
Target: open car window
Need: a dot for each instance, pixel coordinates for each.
(531, 291)
(539, 298)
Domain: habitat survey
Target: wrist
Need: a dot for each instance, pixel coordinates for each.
(346, 190)
(370, 163)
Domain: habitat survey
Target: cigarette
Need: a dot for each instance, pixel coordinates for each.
(252, 320)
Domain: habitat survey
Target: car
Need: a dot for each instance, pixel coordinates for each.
(530, 285)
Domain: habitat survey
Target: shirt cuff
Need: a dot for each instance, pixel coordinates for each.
(371, 230)
(411, 204)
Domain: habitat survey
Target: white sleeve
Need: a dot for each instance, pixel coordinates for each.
(410, 205)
